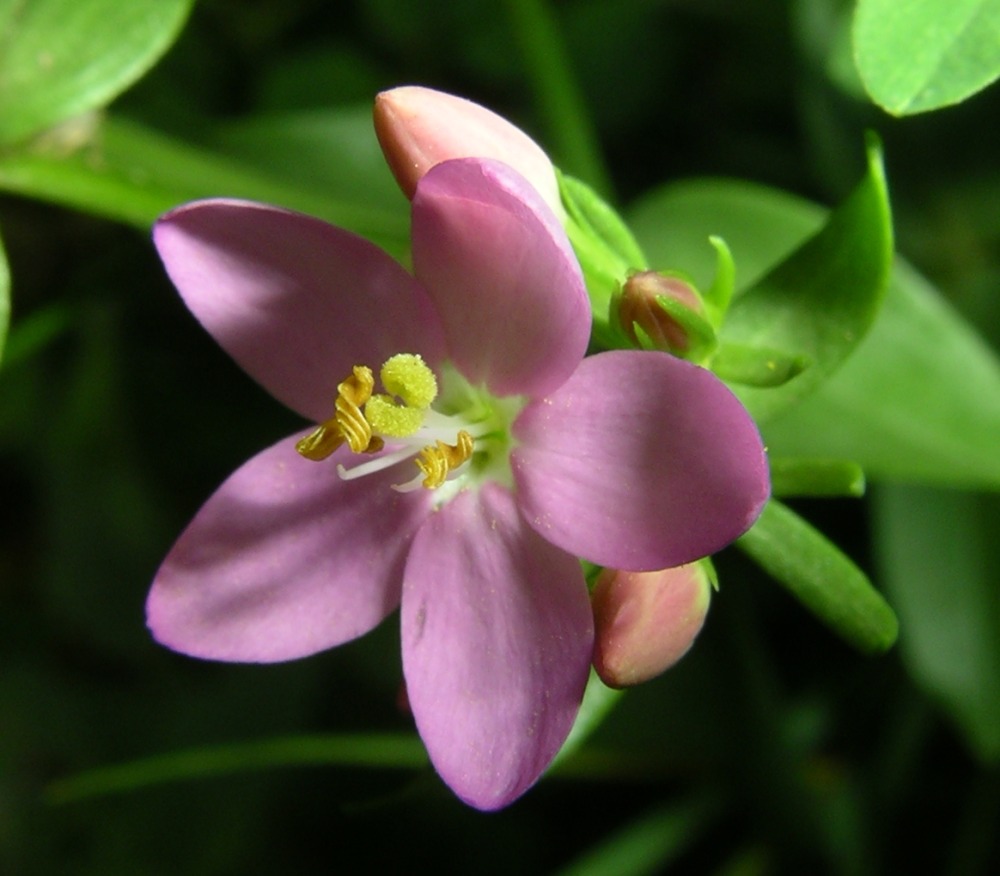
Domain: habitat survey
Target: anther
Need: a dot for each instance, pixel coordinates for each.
(437, 461)
(348, 423)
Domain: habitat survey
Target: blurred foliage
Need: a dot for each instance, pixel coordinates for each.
(772, 747)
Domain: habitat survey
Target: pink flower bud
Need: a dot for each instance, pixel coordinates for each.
(646, 621)
(639, 305)
(419, 127)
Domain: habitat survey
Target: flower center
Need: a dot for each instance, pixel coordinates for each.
(468, 433)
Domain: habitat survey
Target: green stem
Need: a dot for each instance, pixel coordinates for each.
(569, 125)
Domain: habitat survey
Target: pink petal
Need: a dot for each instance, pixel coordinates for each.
(419, 127)
(501, 271)
(497, 641)
(285, 560)
(296, 302)
(639, 461)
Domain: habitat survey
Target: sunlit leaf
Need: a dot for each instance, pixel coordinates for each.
(60, 58)
(821, 301)
(133, 174)
(815, 304)
(925, 54)
(919, 399)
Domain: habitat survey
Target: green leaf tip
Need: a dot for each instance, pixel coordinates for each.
(821, 577)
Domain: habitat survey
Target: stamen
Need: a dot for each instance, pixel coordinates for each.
(348, 423)
(436, 461)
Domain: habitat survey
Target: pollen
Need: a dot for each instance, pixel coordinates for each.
(391, 419)
(437, 460)
(407, 376)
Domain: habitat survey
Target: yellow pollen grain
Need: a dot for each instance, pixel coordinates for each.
(407, 376)
(392, 420)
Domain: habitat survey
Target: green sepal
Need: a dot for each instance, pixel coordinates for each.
(821, 577)
(606, 249)
(719, 295)
(761, 367)
(793, 476)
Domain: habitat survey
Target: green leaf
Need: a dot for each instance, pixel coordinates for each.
(606, 249)
(811, 306)
(816, 477)
(331, 151)
(4, 298)
(376, 751)
(760, 225)
(61, 58)
(821, 577)
(925, 54)
(133, 174)
(648, 844)
(819, 303)
(918, 401)
(938, 555)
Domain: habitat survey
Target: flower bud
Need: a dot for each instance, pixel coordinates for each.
(646, 621)
(667, 309)
(419, 127)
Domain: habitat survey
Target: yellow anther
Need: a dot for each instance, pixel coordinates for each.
(436, 461)
(407, 376)
(391, 419)
(348, 423)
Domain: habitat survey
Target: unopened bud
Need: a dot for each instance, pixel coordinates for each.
(645, 622)
(667, 309)
(419, 127)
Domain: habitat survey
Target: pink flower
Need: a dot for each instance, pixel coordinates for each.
(528, 456)
(419, 127)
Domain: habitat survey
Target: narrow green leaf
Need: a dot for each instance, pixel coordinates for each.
(821, 301)
(370, 750)
(4, 298)
(648, 844)
(925, 54)
(938, 554)
(816, 477)
(821, 577)
(133, 174)
(61, 58)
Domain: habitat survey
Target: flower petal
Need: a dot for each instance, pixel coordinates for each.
(502, 273)
(419, 127)
(497, 641)
(285, 560)
(639, 461)
(295, 301)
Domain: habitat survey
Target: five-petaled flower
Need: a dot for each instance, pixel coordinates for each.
(474, 455)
